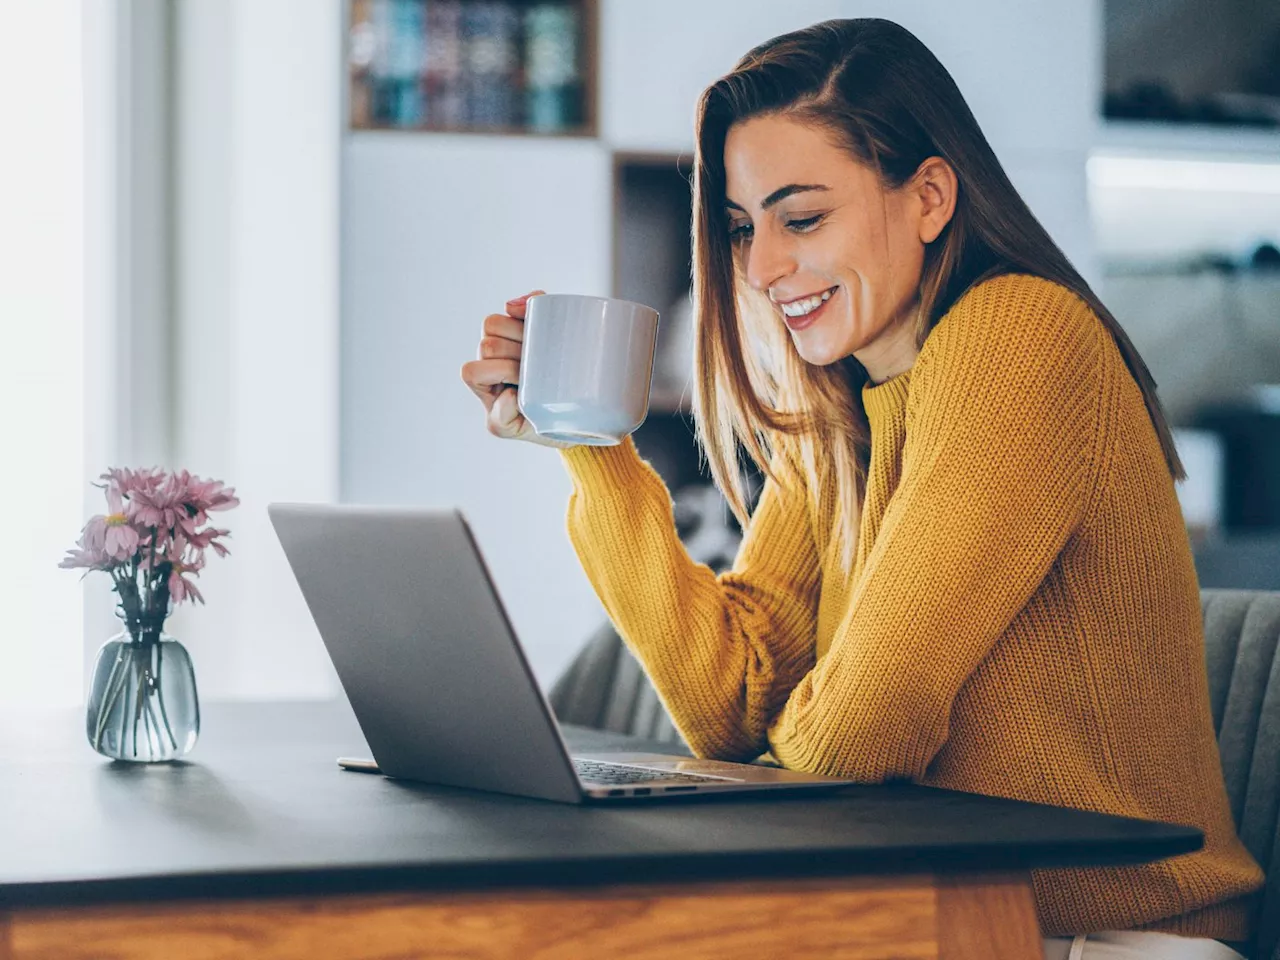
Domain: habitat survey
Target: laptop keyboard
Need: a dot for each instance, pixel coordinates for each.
(594, 771)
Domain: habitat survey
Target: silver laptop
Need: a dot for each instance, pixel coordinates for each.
(437, 680)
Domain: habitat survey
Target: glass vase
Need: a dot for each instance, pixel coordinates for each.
(142, 703)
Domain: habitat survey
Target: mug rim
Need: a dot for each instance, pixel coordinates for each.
(591, 296)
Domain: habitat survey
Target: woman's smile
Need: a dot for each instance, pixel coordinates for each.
(800, 314)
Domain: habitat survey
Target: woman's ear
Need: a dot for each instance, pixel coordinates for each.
(935, 186)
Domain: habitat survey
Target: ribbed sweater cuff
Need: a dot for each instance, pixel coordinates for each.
(600, 468)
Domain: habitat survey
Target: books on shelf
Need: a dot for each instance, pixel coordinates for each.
(442, 71)
(552, 82)
(466, 64)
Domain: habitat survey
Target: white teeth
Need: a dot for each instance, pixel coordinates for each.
(799, 308)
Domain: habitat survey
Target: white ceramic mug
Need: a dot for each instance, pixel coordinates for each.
(585, 366)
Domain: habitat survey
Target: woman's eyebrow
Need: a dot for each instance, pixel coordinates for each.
(780, 194)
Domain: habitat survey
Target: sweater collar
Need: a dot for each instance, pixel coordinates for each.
(886, 402)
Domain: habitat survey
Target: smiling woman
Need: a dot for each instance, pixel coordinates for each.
(968, 566)
(968, 469)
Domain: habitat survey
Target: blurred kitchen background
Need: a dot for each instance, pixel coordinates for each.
(256, 239)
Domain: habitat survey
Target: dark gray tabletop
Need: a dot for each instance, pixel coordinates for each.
(261, 807)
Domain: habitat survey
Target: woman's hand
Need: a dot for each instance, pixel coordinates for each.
(494, 375)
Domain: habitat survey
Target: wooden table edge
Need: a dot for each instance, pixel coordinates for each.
(916, 916)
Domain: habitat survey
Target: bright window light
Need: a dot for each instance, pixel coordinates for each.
(41, 364)
(1171, 173)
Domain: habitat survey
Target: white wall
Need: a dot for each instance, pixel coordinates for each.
(1030, 71)
(257, 126)
(42, 232)
(439, 230)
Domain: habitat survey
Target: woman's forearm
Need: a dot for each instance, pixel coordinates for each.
(723, 652)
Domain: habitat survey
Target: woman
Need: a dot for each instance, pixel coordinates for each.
(968, 566)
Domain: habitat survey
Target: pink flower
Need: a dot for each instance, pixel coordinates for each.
(121, 539)
(175, 551)
(127, 481)
(159, 505)
(94, 535)
(209, 496)
(181, 588)
(203, 497)
(210, 537)
(154, 531)
(87, 558)
(112, 534)
(181, 501)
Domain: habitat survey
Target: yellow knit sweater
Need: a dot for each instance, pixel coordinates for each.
(1022, 618)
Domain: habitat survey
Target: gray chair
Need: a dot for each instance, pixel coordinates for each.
(1242, 655)
(605, 688)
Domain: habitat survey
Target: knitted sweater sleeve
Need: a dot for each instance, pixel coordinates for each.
(723, 652)
(999, 465)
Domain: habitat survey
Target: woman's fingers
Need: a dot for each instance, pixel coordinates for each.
(516, 306)
(487, 378)
(504, 418)
(498, 348)
(501, 325)
(492, 376)
(492, 373)
(486, 394)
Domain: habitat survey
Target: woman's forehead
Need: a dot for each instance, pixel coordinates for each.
(767, 154)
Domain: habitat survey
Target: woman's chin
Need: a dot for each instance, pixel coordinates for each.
(816, 349)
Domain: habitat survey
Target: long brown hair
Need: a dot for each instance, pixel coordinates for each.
(874, 86)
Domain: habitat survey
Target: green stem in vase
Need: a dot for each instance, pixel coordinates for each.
(150, 728)
(151, 568)
(127, 590)
(168, 729)
(142, 721)
(109, 696)
(138, 702)
(130, 606)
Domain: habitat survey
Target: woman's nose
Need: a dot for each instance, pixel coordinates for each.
(768, 260)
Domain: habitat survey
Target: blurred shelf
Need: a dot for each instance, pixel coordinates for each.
(1190, 141)
(652, 217)
(488, 67)
(652, 261)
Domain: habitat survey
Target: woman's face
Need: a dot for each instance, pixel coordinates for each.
(808, 221)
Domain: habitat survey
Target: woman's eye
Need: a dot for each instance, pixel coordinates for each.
(743, 231)
(804, 224)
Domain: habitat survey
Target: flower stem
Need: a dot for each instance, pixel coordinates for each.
(151, 729)
(168, 729)
(137, 704)
(108, 701)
